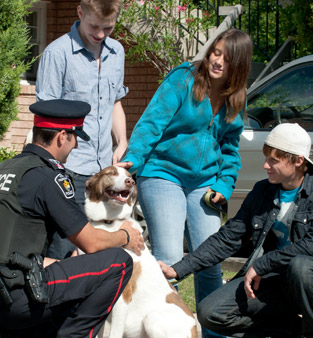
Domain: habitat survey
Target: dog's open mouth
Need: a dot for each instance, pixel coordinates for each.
(118, 195)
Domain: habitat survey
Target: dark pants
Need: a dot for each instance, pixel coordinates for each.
(82, 291)
(61, 248)
(274, 311)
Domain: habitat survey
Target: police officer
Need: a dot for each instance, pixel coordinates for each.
(36, 199)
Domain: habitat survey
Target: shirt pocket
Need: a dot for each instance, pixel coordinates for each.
(257, 225)
(113, 90)
(301, 224)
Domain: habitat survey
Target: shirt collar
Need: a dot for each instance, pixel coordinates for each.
(305, 189)
(43, 154)
(307, 184)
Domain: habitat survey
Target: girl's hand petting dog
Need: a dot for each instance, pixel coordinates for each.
(125, 165)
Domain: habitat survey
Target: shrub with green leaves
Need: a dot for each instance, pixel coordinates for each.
(14, 47)
(5, 154)
(297, 22)
(160, 31)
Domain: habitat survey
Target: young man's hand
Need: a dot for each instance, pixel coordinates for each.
(251, 277)
(168, 271)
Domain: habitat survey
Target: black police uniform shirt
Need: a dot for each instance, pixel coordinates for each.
(48, 193)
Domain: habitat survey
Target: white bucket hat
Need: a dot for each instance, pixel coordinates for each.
(292, 138)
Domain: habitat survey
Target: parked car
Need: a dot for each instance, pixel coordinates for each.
(285, 95)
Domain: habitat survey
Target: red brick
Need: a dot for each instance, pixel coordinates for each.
(153, 70)
(18, 140)
(27, 89)
(132, 79)
(131, 110)
(26, 100)
(21, 132)
(137, 86)
(26, 116)
(22, 124)
(148, 78)
(133, 117)
(23, 109)
(136, 102)
(6, 144)
(63, 5)
(153, 86)
(64, 21)
(137, 71)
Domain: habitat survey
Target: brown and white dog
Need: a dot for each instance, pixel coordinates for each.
(149, 307)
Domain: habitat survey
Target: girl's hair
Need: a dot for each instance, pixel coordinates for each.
(102, 8)
(239, 50)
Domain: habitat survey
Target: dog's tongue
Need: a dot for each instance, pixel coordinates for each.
(119, 195)
(122, 196)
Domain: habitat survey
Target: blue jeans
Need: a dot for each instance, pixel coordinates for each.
(61, 247)
(274, 311)
(172, 211)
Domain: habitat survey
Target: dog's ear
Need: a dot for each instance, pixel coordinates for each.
(133, 197)
(94, 187)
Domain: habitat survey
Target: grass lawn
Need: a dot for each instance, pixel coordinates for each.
(186, 289)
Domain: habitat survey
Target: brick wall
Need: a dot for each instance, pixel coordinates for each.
(15, 137)
(60, 17)
(141, 79)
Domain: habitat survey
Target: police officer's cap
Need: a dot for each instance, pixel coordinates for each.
(61, 115)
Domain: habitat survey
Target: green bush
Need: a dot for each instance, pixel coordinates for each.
(160, 31)
(14, 47)
(297, 22)
(5, 154)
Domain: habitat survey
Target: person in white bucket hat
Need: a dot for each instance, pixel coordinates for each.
(274, 287)
(292, 138)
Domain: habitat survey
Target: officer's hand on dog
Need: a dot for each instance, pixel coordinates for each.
(168, 271)
(133, 238)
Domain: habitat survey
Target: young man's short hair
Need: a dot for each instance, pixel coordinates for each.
(102, 8)
(292, 158)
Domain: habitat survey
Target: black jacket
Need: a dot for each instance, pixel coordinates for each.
(253, 222)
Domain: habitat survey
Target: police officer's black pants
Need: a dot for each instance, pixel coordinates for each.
(82, 291)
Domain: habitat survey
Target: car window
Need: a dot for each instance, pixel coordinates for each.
(287, 98)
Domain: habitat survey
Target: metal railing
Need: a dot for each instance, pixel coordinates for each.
(259, 18)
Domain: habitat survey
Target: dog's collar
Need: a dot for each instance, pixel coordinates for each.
(107, 221)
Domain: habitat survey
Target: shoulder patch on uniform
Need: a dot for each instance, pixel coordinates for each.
(65, 185)
(56, 164)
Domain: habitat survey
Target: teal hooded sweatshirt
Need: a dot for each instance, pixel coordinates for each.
(177, 138)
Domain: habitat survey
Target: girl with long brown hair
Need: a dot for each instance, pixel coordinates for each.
(186, 144)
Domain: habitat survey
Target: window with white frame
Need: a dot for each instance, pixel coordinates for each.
(37, 25)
